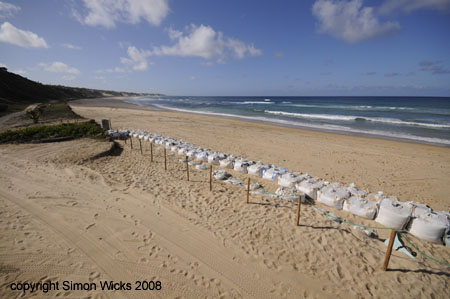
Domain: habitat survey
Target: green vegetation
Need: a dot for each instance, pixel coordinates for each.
(74, 130)
(48, 112)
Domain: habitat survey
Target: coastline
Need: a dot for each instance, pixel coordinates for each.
(123, 217)
(337, 129)
(407, 170)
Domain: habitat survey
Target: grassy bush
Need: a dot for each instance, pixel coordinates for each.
(75, 130)
(57, 111)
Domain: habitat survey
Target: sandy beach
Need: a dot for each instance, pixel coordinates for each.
(79, 211)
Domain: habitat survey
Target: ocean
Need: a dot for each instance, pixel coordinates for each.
(418, 119)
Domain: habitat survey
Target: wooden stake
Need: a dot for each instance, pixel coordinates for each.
(140, 145)
(151, 151)
(210, 177)
(125, 140)
(389, 250)
(187, 168)
(298, 209)
(248, 189)
(165, 159)
(131, 142)
(110, 126)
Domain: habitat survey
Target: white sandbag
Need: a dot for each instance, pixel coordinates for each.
(226, 163)
(256, 169)
(375, 196)
(222, 156)
(429, 226)
(271, 174)
(220, 174)
(213, 159)
(310, 187)
(447, 238)
(392, 213)
(202, 156)
(287, 192)
(290, 179)
(234, 181)
(201, 167)
(240, 165)
(112, 133)
(182, 151)
(191, 153)
(124, 134)
(361, 207)
(419, 209)
(355, 191)
(333, 197)
(254, 186)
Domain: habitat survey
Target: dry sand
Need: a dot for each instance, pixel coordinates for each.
(120, 217)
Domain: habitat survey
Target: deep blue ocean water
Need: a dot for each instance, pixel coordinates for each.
(419, 119)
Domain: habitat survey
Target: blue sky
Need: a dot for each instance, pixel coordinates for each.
(176, 47)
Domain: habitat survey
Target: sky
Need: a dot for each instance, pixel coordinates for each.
(229, 48)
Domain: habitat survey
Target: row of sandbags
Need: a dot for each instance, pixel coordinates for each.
(420, 220)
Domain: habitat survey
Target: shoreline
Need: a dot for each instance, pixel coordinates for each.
(406, 170)
(284, 123)
(122, 103)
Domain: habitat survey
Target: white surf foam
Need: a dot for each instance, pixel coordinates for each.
(323, 127)
(355, 118)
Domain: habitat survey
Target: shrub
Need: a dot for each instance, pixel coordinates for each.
(75, 130)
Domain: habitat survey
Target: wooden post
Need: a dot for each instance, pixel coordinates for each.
(125, 140)
(389, 250)
(151, 151)
(248, 189)
(140, 145)
(110, 126)
(210, 177)
(131, 142)
(187, 168)
(165, 159)
(298, 209)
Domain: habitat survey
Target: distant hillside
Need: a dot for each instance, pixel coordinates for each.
(17, 92)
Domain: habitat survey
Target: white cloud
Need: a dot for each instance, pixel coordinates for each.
(111, 70)
(3, 65)
(192, 78)
(20, 72)
(7, 9)
(350, 21)
(107, 13)
(203, 41)
(15, 36)
(410, 5)
(59, 67)
(70, 46)
(137, 60)
(68, 77)
(207, 63)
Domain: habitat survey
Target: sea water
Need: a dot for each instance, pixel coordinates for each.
(419, 119)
